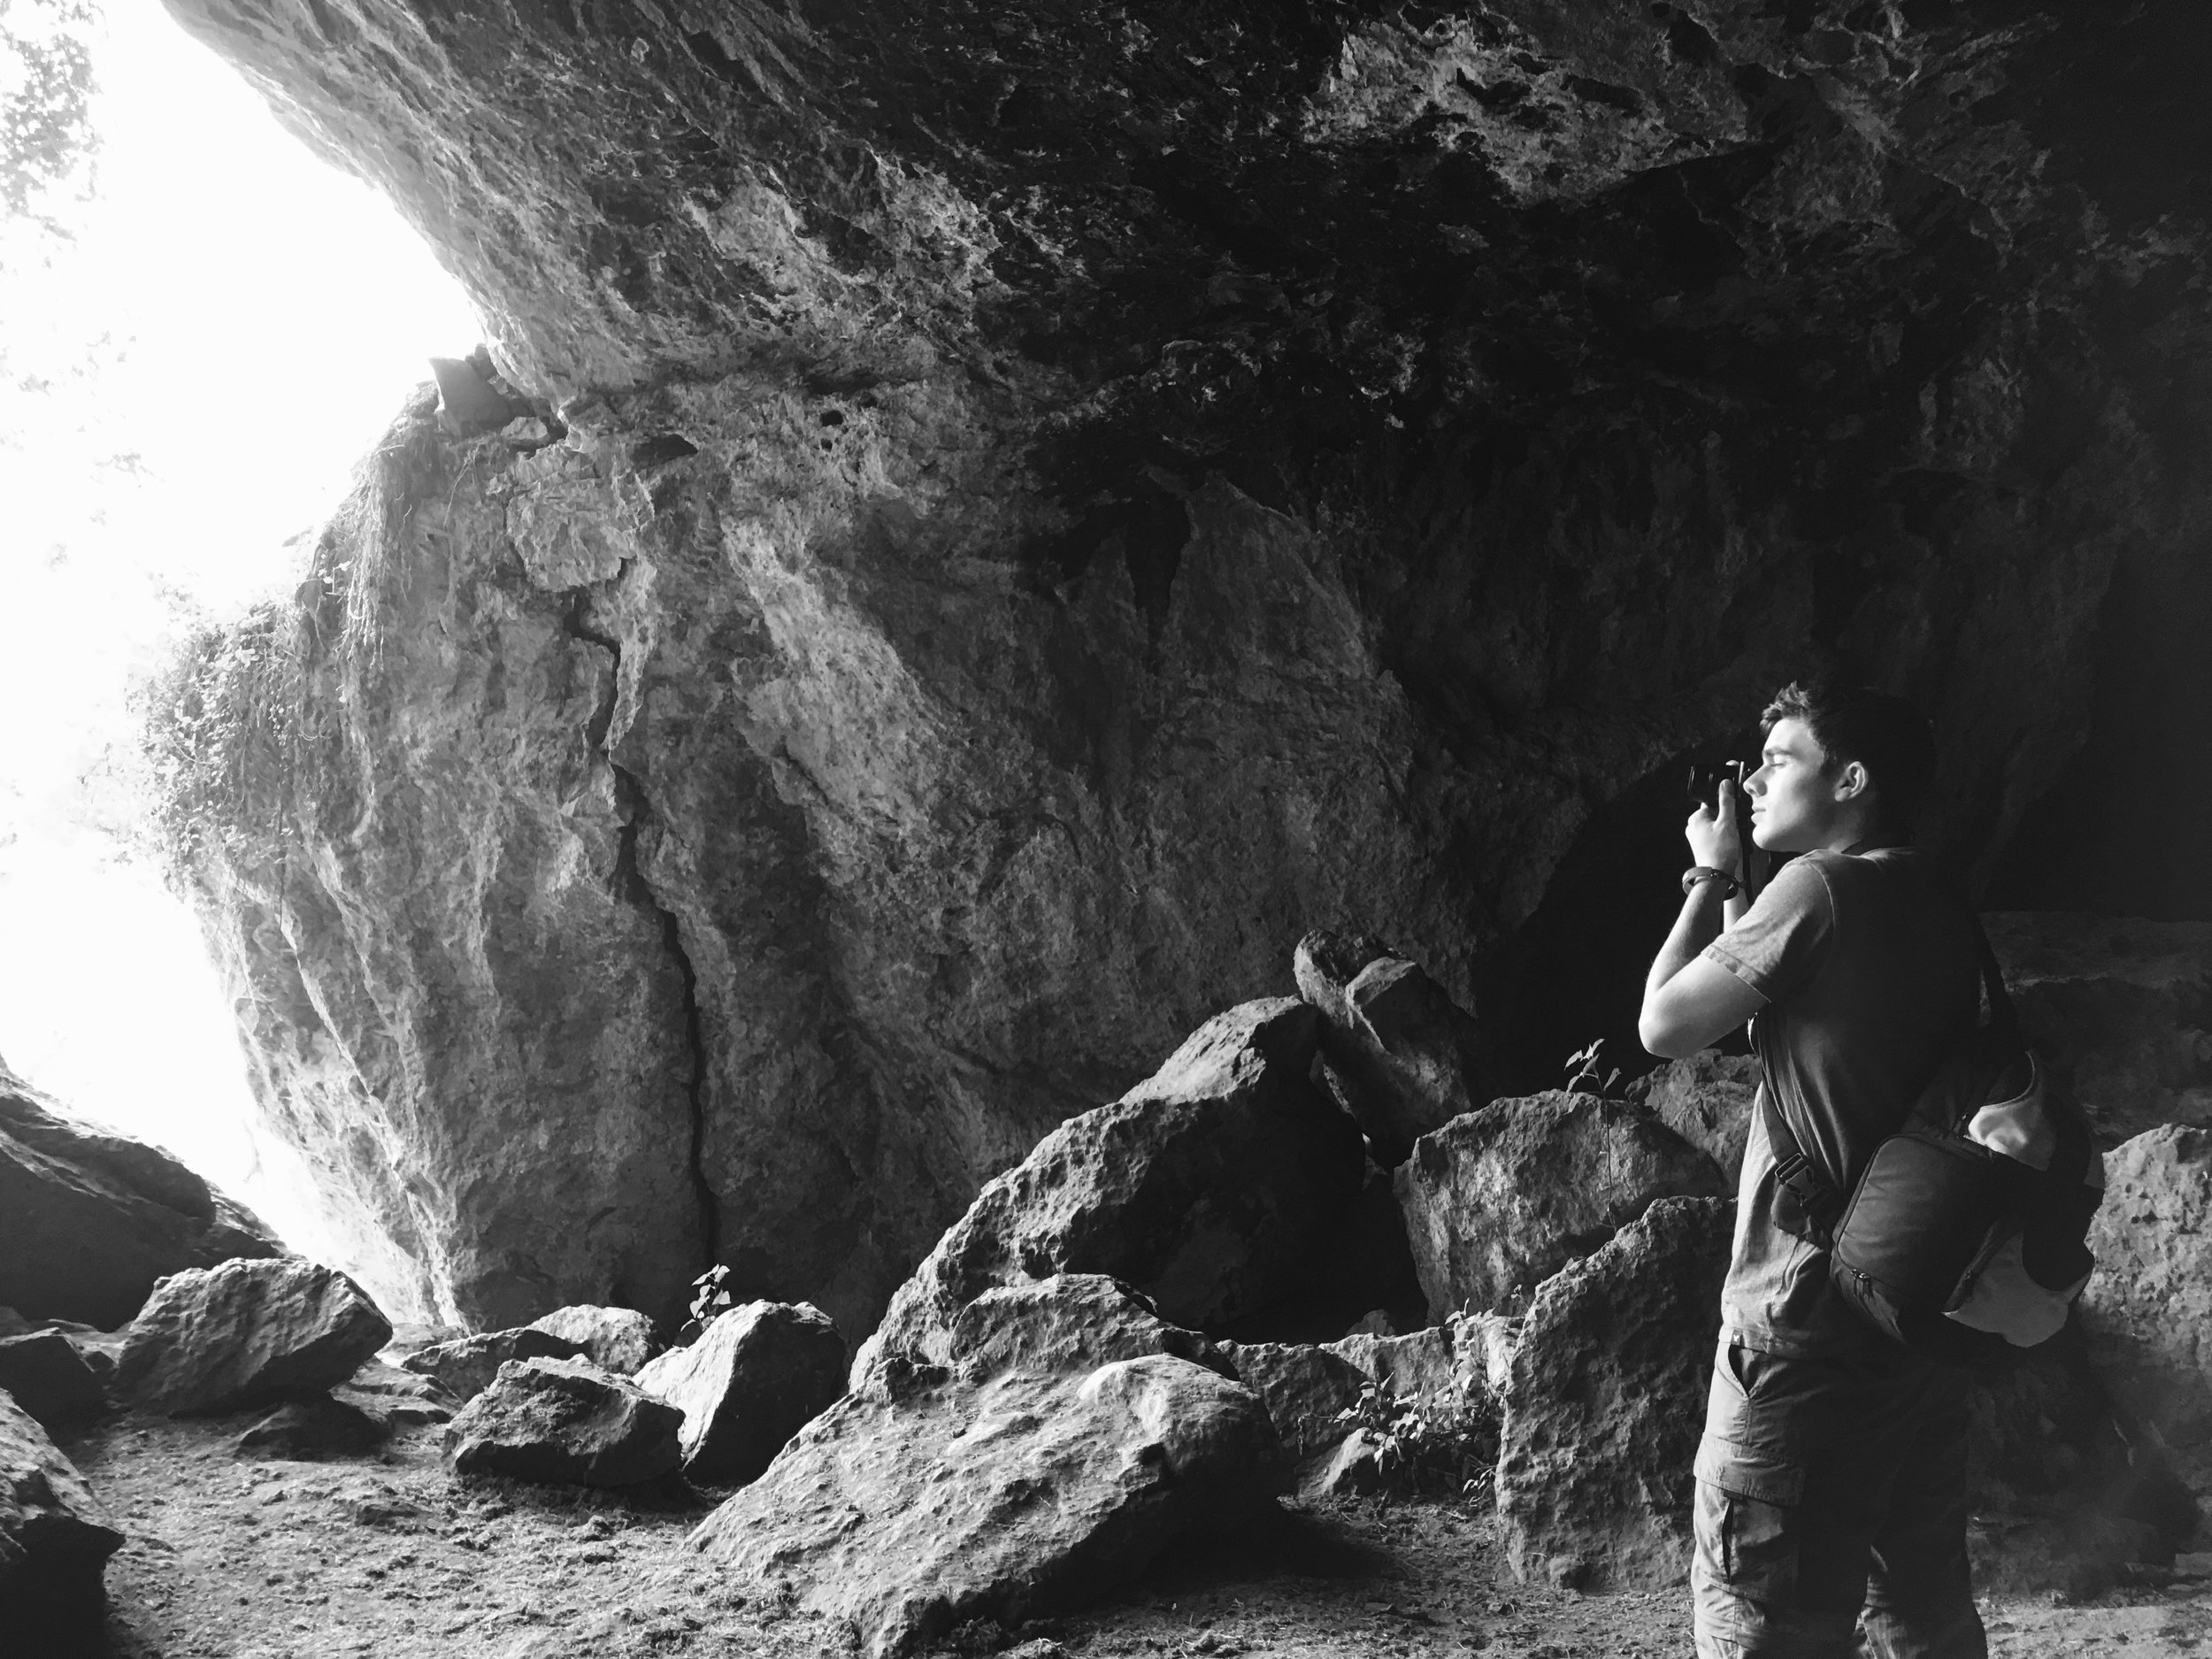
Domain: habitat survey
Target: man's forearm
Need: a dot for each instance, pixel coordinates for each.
(1697, 927)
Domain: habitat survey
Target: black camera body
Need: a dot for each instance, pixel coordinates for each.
(1704, 791)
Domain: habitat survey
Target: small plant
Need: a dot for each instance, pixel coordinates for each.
(710, 1298)
(1448, 1443)
(1582, 1070)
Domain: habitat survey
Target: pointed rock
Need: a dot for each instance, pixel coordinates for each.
(45, 1375)
(1202, 1188)
(2147, 1309)
(756, 1377)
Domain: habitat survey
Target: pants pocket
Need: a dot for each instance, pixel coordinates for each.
(1747, 1521)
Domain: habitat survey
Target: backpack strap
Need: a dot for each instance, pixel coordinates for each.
(1813, 1205)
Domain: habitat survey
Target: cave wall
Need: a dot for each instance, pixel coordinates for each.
(1044, 505)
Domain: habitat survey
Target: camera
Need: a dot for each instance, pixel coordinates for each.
(1704, 790)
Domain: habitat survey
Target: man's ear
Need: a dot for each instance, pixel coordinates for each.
(1852, 781)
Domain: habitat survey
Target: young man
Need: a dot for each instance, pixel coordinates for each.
(1831, 1481)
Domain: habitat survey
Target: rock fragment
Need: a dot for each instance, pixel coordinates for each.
(564, 1421)
(1708, 1100)
(1499, 1200)
(306, 1430)
(1202, 1188)
(942, 1495)
(467, 1364)
(756, 1375)
(2147, 1309)
(245, 1333)
(45, 1375)
(1605, 1404)
(1446, 1369)
(1401, 1056)
(619, 1339)
(88, 1220)
(55, 1538)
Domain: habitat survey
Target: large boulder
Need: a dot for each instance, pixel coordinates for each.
(2147, 1309)
(88, 1219)
(756, 1375)
(2120, 1007)
(1034, 1472)
(1501, 1199)
(619, 1339)
(466, 1365)
(55, 1538)
(1205, 1187)
(564, 1421)
(247, 1332)
(44, 1374)
(1708, 1099)
(1605, 1403)
(1401, 1056)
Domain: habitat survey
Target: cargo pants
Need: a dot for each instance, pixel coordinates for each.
(1829, 1493)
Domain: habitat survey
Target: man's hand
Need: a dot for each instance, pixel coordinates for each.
(1714, 840)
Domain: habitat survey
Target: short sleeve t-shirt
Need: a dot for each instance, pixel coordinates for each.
(1869, 965)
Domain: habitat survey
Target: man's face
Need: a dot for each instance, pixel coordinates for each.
(1793, 804)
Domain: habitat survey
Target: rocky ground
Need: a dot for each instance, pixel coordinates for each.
(234, 1558)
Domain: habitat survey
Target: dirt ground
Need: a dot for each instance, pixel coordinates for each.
(235, 1558)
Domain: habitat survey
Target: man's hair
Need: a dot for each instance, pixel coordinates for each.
(1885, 734)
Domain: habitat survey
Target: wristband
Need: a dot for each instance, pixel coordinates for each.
(1705, 873)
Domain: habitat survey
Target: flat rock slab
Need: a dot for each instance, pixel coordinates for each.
(45, 1375)
(2147, 1309)
(619, 1339)
(245, 1333)
(466, 1365)
(1400, 1055)
(564, 1422)
(1500, 1200)
(947, 1495)
(1605, 1404)
(1202, 1188)
(55, 1538)
(90, 1220)
(756, 1375)
(1446, 1368)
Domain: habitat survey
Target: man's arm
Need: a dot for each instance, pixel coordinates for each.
(1690, 1003)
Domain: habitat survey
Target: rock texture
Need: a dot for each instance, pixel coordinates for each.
(1038, 1471)
(1206, 1187)
(619, 1339)
(564, 1421)
(1402, 1056)
(55, 1538)
(1448, 1368)
(1708, 1100)
(1501, 1199)
(466, 1365)
(756, 1377)
(2121, 1007)
(1605, 1403)
(88, 1220)
(321, 1426)
(1037, 511)
(248, 1332)
(2148, 1306)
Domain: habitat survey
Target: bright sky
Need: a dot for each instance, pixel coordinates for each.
(262, 317)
